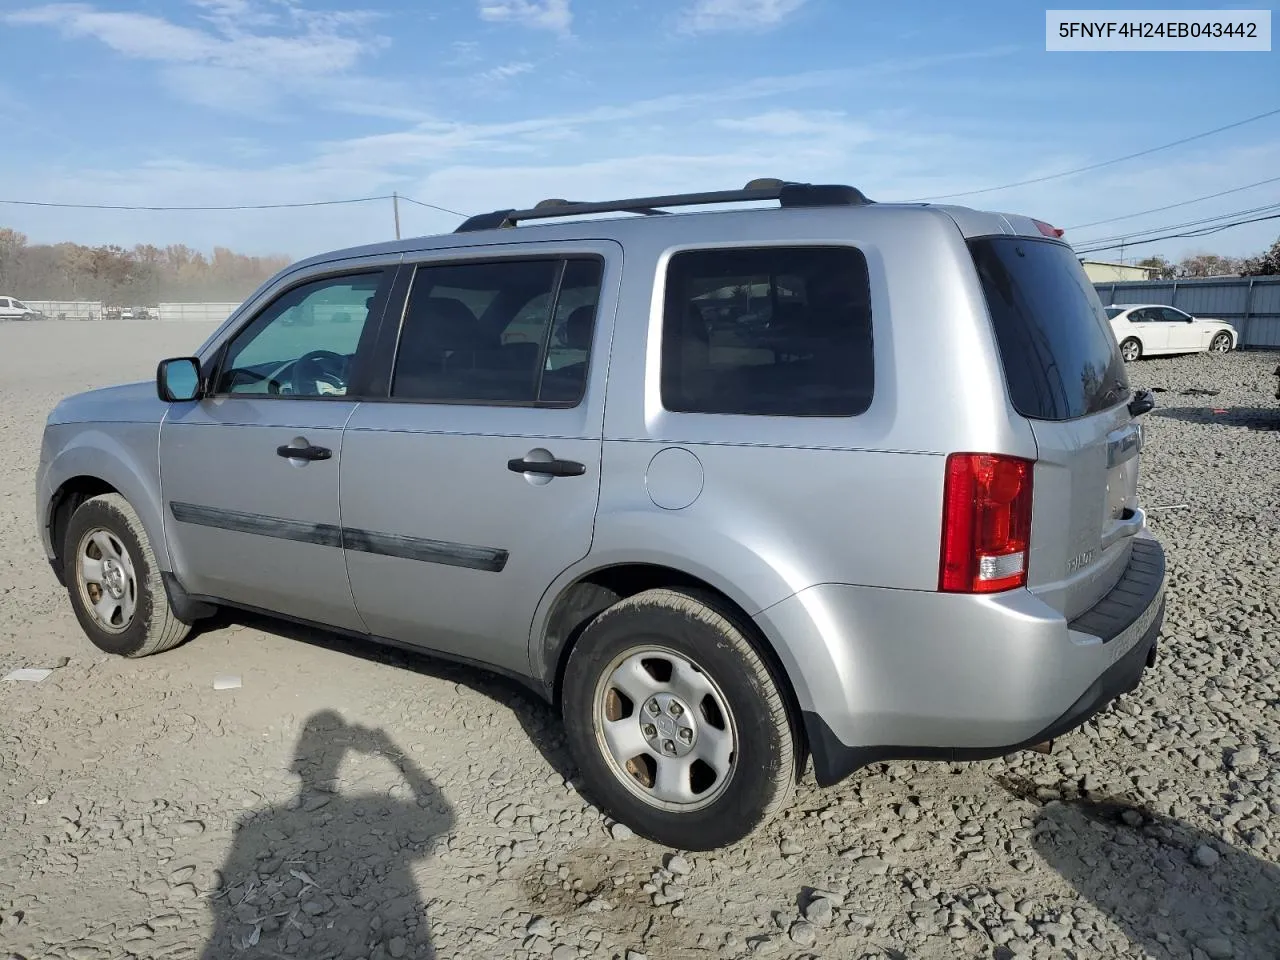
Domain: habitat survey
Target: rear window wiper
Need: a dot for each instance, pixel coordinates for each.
(1143, 401)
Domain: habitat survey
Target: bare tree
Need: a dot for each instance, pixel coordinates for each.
(1264, 264)
(137, 277)
(1161, 268)
(1209, 265)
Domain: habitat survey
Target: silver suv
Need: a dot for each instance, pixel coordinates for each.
(735, 489)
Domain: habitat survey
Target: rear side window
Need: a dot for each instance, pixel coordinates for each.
(1059, 355)
(515, 332)
(771, 331)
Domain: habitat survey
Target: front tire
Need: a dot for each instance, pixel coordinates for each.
(1131, 350)
(1221, 343)
(114, 582)
(677, 722)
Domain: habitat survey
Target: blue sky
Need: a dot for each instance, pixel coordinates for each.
(479, 104)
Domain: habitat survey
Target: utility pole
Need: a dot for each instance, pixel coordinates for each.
(395, 206)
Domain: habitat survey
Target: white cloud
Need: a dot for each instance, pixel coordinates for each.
(715, 16)
(826, 124)
(506, 71)
(248, 57)
(553, 15)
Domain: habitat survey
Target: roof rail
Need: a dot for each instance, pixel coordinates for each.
(787, 194)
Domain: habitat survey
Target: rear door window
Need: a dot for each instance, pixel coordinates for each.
(1059, 355)
(504, 332)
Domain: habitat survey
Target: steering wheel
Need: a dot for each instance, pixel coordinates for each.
(316, 367)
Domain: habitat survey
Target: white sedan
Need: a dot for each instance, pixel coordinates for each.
(1146, 329)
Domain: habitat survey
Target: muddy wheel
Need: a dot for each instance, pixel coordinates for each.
(115, 587)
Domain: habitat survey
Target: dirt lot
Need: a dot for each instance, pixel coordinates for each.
(353, 803)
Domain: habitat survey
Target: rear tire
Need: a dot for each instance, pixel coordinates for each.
(1131, 349)
(1221, 343)
(114, 582)
(703, 751)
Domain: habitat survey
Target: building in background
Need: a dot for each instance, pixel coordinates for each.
(1102, 271)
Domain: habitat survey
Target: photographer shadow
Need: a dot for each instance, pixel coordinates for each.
(540, 722)
(1141, 870)
(331, 874)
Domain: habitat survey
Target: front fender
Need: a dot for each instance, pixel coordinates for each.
(126, 458)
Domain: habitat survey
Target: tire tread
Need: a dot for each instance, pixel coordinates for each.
(727, 626)
(163, 628)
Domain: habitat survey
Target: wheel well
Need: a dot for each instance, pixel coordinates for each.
(68, 497)
(581, 602)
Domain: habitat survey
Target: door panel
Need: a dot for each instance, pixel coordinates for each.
(453, 527)
(1151, 329)
(249, 525)
(1182, 334)
(249, 475)
(449, 549)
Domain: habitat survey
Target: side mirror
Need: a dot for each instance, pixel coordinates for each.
(178, 379)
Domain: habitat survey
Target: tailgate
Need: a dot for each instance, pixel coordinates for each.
(1085, 510)
(1065, 376)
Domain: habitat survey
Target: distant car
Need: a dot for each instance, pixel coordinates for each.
(11, 308)
(1146, 329)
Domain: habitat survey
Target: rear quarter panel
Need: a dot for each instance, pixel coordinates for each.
(789, 502)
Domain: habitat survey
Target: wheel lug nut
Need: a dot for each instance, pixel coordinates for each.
(675, 709)
(686, 734)
(649, 730)
(653, 708)
(668, 746)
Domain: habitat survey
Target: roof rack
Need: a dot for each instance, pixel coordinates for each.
(788, 194)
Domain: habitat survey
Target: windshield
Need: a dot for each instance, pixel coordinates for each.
(1059, 355)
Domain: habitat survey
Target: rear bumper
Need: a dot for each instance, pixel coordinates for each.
(886, 674)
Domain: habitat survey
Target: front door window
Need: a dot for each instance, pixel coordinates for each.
(303, 344)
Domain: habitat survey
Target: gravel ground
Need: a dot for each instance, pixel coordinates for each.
(351, 803)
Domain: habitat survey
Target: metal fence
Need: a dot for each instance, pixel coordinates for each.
(197, 312)
(68, 309)
(1250, 304)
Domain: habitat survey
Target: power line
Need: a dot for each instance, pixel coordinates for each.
(1202, 232)
(1125, 237)
(1170, 206)
(212, 207)
(1103, 163)
(434, 206)
(235, 206)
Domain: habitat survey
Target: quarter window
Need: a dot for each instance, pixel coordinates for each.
(776, 331)
(305, 342)
(515, 331)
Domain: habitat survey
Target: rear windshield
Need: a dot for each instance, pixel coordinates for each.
(1059, 355)
(1113, 312)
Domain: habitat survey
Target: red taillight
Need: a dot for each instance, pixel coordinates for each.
(1048, 229)
(986, 523)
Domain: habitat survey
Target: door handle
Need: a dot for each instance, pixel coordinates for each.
(308, 452)
(550, 468)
